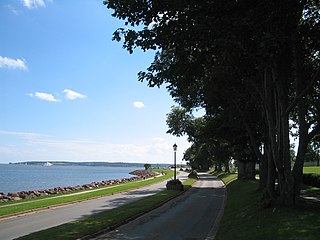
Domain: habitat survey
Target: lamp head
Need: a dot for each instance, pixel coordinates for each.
(175, 147)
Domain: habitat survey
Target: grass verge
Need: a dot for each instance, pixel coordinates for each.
(107, 220)
(311, 169)
(244, 217)
(11, 208)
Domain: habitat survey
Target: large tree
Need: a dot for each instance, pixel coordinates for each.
(256, 60)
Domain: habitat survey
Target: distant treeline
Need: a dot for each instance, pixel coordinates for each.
(102, 164)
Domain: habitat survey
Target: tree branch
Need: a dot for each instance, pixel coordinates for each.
(304, 92)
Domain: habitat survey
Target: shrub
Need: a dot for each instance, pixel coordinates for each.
(174, 185)
(311, 179)
(193, 174)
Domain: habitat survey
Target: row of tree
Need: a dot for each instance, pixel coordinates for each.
(252, 65)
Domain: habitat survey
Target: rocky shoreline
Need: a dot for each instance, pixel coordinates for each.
(15, 196)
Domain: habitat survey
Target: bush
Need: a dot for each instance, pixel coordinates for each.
(193, 174)
(174, 185)
(311, 179)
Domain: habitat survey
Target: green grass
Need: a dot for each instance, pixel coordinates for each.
(108, 219)
(312, 191)
(312, 169)
(10, 208)
(245, 219)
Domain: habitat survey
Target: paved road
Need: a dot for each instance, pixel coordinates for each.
(194, 215)
(14, 227)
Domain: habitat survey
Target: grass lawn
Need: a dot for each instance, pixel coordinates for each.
(313, 169)
(107, 219)
(12, 207)
(245, 219)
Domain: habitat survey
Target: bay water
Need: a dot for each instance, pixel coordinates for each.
(18, 177)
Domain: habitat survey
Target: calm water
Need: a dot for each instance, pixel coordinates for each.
(15, 178)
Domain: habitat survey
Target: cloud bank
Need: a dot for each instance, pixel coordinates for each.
(35, 146)
(6, 62)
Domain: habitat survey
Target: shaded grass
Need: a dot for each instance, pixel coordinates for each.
(33, 204)
(107, 220)
(244, 217)
(309, 190)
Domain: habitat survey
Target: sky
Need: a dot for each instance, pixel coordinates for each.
(68, 92)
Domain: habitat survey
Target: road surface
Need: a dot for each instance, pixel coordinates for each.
(14, 227)
(194, 215)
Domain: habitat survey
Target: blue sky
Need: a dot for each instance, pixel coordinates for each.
(68, 92)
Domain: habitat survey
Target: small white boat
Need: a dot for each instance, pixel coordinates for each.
(47, 164)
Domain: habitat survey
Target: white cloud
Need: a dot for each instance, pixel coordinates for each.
(44, 96)
(138, 104)
(72, 95)
(6, 62)
(33, 3)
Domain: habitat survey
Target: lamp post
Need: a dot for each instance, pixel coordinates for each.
(175, 160)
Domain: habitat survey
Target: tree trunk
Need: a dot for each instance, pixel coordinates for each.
(263, 171)
(226, 165)
(246, 170)
(281, 76)
(218, 166)
(241, 170)
(277, 120)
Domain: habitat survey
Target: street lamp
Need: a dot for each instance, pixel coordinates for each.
(175, 160)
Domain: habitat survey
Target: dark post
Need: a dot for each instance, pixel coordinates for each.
(175, 160)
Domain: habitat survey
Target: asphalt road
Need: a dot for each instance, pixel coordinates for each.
(14, 227)
(194, 215)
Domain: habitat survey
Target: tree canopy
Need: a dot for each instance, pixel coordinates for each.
(254, 65)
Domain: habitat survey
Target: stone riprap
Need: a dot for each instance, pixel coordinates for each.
(14, 196)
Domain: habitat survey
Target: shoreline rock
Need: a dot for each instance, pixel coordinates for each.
(11, 196)
(143, 173)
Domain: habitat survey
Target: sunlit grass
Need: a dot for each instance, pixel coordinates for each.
(313, 169)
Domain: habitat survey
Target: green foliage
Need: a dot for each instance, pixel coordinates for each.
(147, 166)
(312, 154)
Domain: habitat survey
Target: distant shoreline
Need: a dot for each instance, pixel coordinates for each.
(91, 164)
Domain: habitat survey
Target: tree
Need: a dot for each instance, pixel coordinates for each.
(147, 166)
(238, 57)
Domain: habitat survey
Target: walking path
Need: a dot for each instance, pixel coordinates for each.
(14, 227)
(194, 215)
